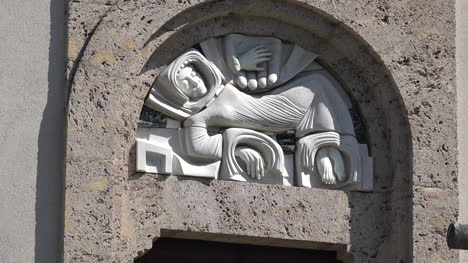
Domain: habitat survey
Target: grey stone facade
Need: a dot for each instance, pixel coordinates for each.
(395, 59)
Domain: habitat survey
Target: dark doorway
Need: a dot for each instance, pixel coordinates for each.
(172, 250)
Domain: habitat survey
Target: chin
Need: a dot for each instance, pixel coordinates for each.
(199, 93)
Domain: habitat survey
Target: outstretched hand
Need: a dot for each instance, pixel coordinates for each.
(250, 60)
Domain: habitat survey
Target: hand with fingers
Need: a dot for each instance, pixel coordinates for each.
(255, 166)
(250, 61)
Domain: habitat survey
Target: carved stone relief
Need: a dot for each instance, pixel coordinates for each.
(252, 109)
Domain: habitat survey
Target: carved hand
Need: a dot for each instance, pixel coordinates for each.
(250, 60)
(253, 161)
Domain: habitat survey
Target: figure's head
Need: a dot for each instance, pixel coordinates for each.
(190, 81)
(186, 85)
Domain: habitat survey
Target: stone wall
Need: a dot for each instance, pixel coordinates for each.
(462, 118)
(396, 62)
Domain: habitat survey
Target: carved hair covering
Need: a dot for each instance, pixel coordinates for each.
(166, 95)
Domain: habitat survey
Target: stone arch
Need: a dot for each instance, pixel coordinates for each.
(119, 213)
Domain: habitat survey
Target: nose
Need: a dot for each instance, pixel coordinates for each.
(193, 82)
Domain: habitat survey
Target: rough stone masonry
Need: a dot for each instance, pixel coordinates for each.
(396, 61)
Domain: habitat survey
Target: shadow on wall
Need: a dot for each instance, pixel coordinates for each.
(50, 167)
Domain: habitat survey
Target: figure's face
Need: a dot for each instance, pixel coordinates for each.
(190, 82)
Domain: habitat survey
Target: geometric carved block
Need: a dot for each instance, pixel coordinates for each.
(160, 150)
(153, 158)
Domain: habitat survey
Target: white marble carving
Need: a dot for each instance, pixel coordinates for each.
(179, 94)
(161, 151)
(329, 158)
(251, 156)
(230, 102)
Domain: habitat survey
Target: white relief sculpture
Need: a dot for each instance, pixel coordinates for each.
(310, 162)
(177, 94)
(239, 96)
(251, 156)
(161, 150)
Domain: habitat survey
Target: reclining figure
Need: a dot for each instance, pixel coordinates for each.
(253, 88)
